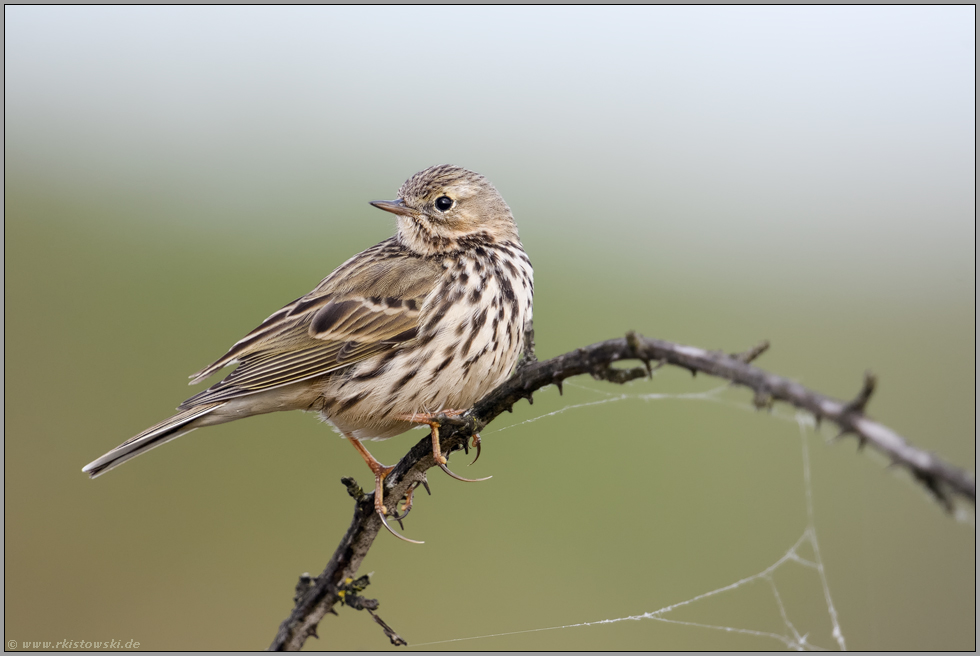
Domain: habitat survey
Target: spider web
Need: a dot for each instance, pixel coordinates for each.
(791, 636)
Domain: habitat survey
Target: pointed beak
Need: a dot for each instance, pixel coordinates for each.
(393, 206)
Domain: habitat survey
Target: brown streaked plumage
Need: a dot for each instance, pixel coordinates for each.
(425, 322)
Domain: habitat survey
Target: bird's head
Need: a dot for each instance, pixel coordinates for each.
(446, 208)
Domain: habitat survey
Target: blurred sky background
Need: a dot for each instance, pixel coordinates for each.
(713, 176)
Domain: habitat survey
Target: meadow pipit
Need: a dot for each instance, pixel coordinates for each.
(425, 322)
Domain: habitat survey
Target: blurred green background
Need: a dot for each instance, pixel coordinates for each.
(713, 176)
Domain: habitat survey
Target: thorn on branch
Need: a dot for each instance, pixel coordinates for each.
(858, 403)
(861, 440)
(312, 633)
(353, 488)
(752, 353)
(932, 484)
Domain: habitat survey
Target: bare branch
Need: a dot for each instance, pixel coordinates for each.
(316, 597)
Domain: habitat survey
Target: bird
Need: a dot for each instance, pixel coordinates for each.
(423, 324)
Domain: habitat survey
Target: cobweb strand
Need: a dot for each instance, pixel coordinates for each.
(792, 639)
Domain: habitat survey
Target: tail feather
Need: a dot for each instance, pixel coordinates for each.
(166, 430)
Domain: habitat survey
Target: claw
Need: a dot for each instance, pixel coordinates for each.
(399, 518)
(476, 443)
(394, 532)
(460, 478)
(406, 505)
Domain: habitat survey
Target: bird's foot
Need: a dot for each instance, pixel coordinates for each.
(431, 420)
(382, 511)
(380, 473)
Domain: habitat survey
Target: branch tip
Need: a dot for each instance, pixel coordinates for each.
(353, 489)
(396, 639)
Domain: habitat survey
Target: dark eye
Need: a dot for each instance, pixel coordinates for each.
(443, 203)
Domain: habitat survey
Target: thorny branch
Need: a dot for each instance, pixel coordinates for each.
(316, 597)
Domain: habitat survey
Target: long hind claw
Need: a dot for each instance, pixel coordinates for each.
(460, 478)
(394, 532)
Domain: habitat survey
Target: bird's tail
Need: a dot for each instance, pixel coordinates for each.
(169, 429)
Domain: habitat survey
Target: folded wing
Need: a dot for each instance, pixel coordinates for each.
(369, 305)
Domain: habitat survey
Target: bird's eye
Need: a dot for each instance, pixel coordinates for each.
(443, 203)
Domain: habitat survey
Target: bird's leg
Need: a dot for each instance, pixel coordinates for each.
(429, 419)
(380, 472)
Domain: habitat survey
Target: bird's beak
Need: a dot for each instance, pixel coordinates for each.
(393, 206)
